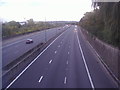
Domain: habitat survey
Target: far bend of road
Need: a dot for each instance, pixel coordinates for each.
(68, 62)
(15, 47)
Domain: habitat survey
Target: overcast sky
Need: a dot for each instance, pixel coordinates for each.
(52, 10)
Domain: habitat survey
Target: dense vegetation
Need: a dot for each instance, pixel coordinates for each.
(104, 22)
(13, 28)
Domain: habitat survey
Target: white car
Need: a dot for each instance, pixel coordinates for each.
(29, 41)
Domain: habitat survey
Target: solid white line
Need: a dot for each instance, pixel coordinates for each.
(40, 79)
(88, 73)
(55, 52)
(50, 61)
(34, 60)
(65, 80)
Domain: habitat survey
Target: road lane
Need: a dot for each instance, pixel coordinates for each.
(86, 67)
(99, 74)
(43, 65)
(9, 42)
(77, 75)
(9, 49)
(38, 63)
(63, 70)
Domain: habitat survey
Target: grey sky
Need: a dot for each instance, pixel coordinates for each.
(52, 10)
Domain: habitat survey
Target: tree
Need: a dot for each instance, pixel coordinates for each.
(111, 16)
(30, 22)
(10, 28)
(104, 22)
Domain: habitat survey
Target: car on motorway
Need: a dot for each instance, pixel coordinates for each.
(28, 41)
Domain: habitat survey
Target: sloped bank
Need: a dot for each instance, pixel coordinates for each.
(109, 55)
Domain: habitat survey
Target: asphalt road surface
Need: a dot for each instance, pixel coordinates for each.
(68, 62)
(14, 48)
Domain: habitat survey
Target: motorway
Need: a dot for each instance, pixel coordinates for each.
(15, 47)
(68, 62)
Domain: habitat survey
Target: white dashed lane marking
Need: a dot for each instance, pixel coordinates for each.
(65, 80)
(67, 62)
(59, 46)
(68, 52)
(50, 61)
(40, 79)
(55, 52)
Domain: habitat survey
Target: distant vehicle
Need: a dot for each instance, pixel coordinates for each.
(67, 25)
(48, 28)
(29, 41)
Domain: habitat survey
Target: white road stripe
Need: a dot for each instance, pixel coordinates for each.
(68, 52)
(34, 60)
(50, 61)
(65, 80)
(88, 73)
(40, 79)
(67, 62)
(59, 46)
(55, 52)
